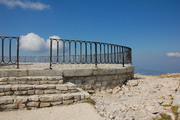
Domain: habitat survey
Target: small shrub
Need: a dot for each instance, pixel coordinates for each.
(174, 110)
(163, 117)
(91, 101)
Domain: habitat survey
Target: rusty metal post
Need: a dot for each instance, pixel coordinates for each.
(50, 53)
(96, 55)
(18, 53)
(123, 56)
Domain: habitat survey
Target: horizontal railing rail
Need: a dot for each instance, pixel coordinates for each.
(88, 52)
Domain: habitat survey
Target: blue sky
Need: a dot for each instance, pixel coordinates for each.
(150, 27)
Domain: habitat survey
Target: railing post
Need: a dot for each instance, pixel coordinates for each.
(96, 55)
(10, 61)
(18, 53)
(64, 51)
(123, 56)
(2, 50)
(51, 53)
(57, 51)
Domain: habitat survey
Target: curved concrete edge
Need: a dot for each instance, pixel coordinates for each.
(65, 72)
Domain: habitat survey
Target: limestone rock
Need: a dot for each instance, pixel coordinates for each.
(176, 101)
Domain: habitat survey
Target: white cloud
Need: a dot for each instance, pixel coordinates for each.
(24, 4)
(33, 42)
(173, 54)
(54, 44)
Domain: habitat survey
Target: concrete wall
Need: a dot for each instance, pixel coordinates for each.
(86, 77)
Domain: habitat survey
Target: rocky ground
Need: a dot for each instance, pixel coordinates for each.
(143, 98)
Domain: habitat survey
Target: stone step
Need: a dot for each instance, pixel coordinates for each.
(39, 101)
(31, 80)
(22, 89)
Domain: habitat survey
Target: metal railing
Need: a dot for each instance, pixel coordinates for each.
(67, 52)
(87, 52)
(10, 48)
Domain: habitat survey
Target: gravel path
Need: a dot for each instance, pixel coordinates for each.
(143, 98)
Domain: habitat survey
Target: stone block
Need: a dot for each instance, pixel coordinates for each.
(33, 104)
(60, 82)
(3, 83)
(8, 93)
(6, 100)
(39, 92)
(98, 83)
(62, 87)
(101, 71)
(21, 106)
(121, 71)
(2, 93)
(31, 92)
(6, 88)
(20, 99)
(11, 79)
(34, 98)
(67, 102)
(5, 79)
(50, 98)
(53, 82)
(49, 91)
(33, 82)
(25, 87)
(51, 86)
(40, 87)
(67, 96)
(77, 72)
(99, 78)
(42, 104)
(20, 92)
(106, 82)
(71, 86)
(56, 103)
(106, 78)
(9, 106)
(78, 81)
(14, 87)
(130, 69)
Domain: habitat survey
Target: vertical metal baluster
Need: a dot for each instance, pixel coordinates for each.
(90, 52)
(50, 53)
(104, 53)
(57, 51)
(10, 51)
(130, 55)
(117, 54)
(111, 54)
(96, 55)
(18, 53)
(63, 51)
(123, 56)
(100, 53)
(108, 53)
(75, 51)
(69, 51)
(2, 50)
(114, 54)
(86, 52)
(80, 52)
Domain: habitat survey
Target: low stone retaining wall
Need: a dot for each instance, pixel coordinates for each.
(85, 77)
(36, 88)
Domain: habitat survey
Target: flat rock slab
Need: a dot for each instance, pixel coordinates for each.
(82, 111)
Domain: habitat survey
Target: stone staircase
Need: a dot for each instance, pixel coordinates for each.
(37, 92)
